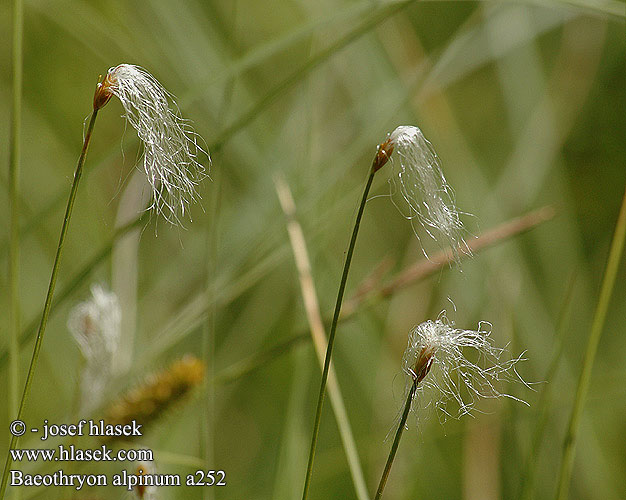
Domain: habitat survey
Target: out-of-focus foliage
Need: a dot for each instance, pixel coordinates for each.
(524, 104)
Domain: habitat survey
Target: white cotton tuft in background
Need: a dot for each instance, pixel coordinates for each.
(95, 326)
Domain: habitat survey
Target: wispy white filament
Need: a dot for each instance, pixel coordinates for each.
(95, 326)
(171, 147)
(452, 375)
(424, 188)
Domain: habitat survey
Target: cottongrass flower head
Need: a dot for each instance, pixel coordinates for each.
(424, 189)
(95, 325)
(436, 357)
(145, 489)
(172, 150)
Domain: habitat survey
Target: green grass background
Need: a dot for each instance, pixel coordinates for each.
(524, 103)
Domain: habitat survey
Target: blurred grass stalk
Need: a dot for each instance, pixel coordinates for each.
(606, 291)
(48, 302)
(542, 407)
(318, 335)
(207, 423)
(333, 331)
(14, 219)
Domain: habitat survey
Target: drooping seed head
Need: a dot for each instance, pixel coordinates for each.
(172, 150)
(438, 357)
(424, 189)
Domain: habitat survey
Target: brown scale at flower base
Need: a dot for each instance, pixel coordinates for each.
(423, 364)
(103, 92)
(159, 392)
(383, 153)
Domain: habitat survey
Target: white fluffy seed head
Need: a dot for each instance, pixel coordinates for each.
(147, 491)
(424, 189)
(95, 323)
(445, 353)
(172, 150)
(95, 326)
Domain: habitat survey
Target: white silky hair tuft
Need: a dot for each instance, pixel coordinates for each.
(172, 150)
(452, 376)
(424, 188)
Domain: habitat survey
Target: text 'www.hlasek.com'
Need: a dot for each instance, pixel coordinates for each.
(31, 466)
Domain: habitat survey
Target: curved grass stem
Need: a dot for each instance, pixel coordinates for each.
(48, 302)
(606, 291)
(396, 440)
(331, 336)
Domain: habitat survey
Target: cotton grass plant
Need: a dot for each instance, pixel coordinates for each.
(172, 151)
(479, 56)
(170, 162)
(428, 195)
(438, 369)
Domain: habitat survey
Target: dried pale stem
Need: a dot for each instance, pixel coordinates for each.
(48, 302)
(370, 288)
(396, 440)
(318, 334)
(333, 331)
(426, 267)
(606, 291)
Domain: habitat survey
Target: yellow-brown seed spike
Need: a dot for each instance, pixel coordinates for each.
(103, 92)
(383, 153)
(159, 392)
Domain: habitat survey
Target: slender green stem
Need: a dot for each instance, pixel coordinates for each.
(331, 336)
(608, 282)
(48, 302)
(66, 292)
(14, 183)
(396, 440)
(14, 231)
